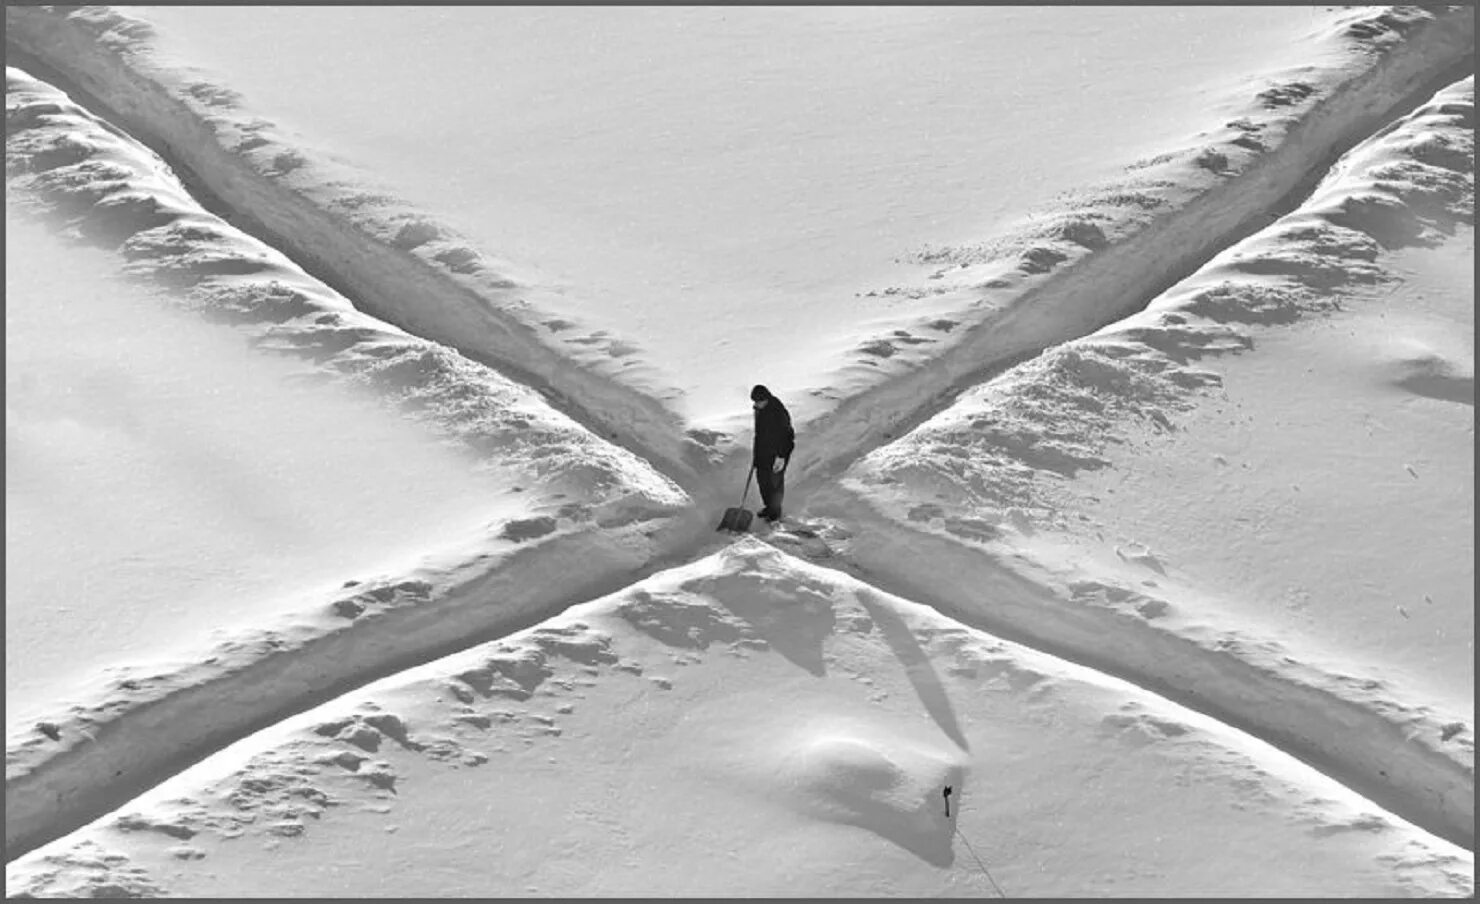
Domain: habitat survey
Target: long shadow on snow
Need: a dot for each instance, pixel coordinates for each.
(916, 664)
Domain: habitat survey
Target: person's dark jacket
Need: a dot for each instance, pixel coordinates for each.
(774, 437)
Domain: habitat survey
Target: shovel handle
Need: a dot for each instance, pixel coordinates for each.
(748, 474)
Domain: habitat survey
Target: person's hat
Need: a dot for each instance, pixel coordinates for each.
(759, 393)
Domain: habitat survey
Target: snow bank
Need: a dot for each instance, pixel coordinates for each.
(775, 728)
(587, 501)
(152, 720)
(1082, 265)
(73, 168)
(949, 512)
(673, 181)
(167, 483)
(394, 262)
(1099, 254)
(1092, 260)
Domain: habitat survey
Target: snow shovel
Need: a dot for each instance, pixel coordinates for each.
(738, 519)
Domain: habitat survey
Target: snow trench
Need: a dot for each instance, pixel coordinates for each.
(919, 507)
(111, 758)
(338, 234)
(393, 276)
(154, 725)
(1103, 278)
(1389, 753)
(66, 165)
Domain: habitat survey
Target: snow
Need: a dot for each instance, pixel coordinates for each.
(749, 722)
(596, 149)
(1135, 500)
(184, 509)
(163, 482)
(1275, 458)
(1307, 492)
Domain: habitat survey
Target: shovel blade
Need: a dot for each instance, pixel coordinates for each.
(736, 519)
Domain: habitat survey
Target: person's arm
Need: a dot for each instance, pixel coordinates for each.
(788, 441)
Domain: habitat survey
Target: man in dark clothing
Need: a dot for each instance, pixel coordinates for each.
(774, 441)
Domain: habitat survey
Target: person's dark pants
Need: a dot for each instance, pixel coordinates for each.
(772, 486)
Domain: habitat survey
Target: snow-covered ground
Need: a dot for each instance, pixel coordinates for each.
(749, 724)
(1236, 526)
(569, 191)
(717, 187)
(183, 511)
(162, 481)
(1274, 461)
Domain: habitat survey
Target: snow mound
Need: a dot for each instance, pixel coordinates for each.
(882, 784)
(1413, 366)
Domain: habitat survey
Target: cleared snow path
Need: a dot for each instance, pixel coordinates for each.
(581, 500)
(1095, 275)
(777, 729)
(1337, 723)
(407, 278)
(924, 513)
(1087, 266)
(1103, 265)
